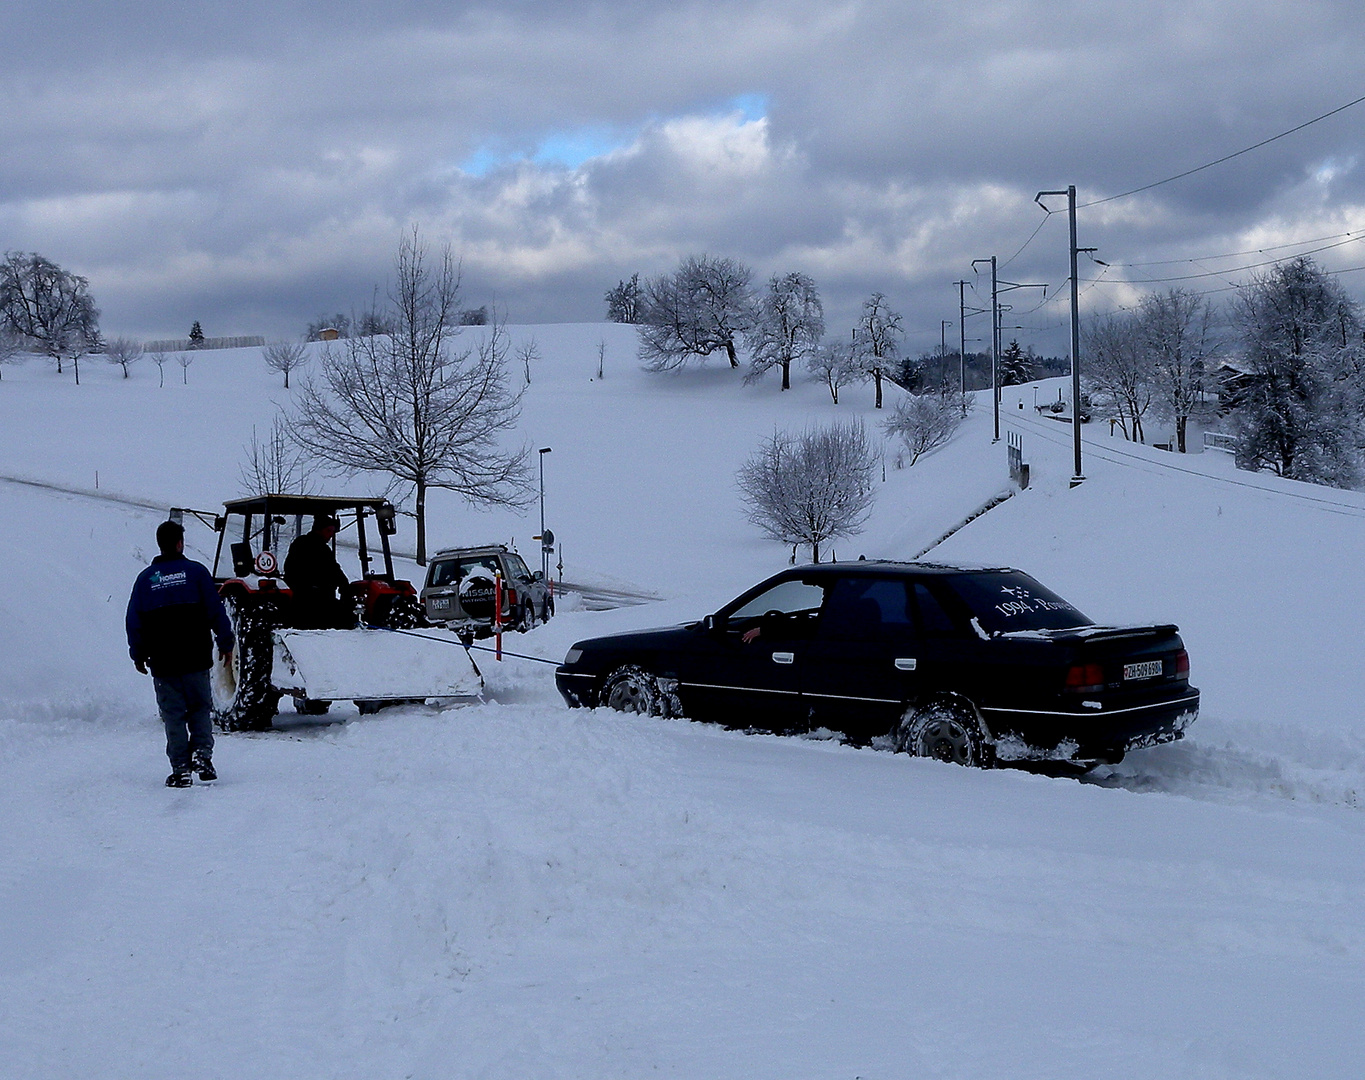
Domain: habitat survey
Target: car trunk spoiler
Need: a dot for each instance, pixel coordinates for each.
(1084, 634)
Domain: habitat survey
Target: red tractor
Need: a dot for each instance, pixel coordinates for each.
(258, 532)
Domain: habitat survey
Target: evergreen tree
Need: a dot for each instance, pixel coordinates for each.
(196, 336)
(1015, 366)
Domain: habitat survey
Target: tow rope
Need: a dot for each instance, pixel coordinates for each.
(471, 645)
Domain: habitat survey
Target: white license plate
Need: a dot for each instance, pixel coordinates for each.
(1148, 669)
(441, 603)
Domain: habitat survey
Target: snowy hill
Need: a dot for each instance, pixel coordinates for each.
(515, 889)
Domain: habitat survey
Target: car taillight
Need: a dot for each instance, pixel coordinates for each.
(1182, 665)
(1084, 678)
(511, 598)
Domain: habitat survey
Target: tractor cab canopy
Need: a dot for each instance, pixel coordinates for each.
(260, 529)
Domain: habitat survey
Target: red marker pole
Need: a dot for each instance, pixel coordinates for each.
(497, 615)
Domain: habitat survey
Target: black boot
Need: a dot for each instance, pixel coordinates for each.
(203, 765)
(179, 779)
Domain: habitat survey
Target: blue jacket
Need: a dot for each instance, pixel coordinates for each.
(171, 613)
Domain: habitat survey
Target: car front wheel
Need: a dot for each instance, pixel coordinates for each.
(632, 689)
(945, 731)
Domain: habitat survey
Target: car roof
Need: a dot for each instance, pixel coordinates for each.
(478, 549)
(892, 568)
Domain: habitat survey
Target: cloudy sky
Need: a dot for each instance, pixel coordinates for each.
(254, 165)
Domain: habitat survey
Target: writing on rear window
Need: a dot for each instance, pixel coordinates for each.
(1006, 601)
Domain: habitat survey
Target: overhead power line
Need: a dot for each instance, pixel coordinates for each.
(1225, 157)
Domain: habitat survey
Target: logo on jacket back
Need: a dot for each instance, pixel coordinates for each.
(159, 580)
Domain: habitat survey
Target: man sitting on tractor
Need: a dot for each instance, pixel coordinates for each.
(314, 578)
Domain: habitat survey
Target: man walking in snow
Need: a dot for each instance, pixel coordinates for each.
(174, 614)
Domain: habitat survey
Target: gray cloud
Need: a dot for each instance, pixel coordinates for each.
(253, 166)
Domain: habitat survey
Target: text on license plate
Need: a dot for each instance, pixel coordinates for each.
(1147, 669)
(441, 602)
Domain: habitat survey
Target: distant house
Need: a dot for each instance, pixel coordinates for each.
(1233, 380)
(329, 333)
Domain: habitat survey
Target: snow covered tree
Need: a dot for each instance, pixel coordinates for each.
(878, 340)
(623, 302)
(788, 323)
(813, 486)
(284, 357)
(184, 359)
(196, 336)
(1015, 366)
(411, 405)
(49, 307)
(123, 353)
(1117, 372)
(836, 363)
(1300, 414)
(1177, 330)
(924, 421)
(159, 359)
(702, 306)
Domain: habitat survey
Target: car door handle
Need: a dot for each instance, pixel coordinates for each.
(784, 658)
(906, 663)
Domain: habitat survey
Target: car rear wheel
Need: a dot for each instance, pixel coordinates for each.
(946, 731)
(632, 689)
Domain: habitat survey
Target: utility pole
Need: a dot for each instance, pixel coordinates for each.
(995, 345)
(962, 346)
(996, 290)
(1070, 193)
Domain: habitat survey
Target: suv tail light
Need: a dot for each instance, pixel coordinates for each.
(511, 598)
(1085, 678)
(1182, 665)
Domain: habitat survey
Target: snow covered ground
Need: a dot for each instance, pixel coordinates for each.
(517, 890)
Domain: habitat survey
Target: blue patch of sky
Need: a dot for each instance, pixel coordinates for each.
(573, 148)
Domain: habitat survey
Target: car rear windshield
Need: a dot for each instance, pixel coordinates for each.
(1006, 601)
(456, 571)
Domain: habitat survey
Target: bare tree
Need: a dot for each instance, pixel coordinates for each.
(11, 348)
(159, 359)
(1177, 331)
(184, 359)
(835, 363)
(623, 302)
(925, 421)
(409, 404)
(701, 307)
(811, 487)
(50, 307)
(528, 352)
(284, 357)
(788, 323)
(878, 337)
(1117, 371)
(123, 352)
(277, 465)
(601, 359)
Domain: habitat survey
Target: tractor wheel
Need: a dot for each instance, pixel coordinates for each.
(399, 612)
(243, 699)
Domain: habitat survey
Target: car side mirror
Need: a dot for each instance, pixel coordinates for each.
(712, 623)
(537, 576)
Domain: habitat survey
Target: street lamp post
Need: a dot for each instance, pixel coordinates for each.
(544, 564)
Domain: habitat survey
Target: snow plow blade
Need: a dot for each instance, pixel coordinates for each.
(374, 665)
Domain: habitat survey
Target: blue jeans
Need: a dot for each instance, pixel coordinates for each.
(185, 702)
